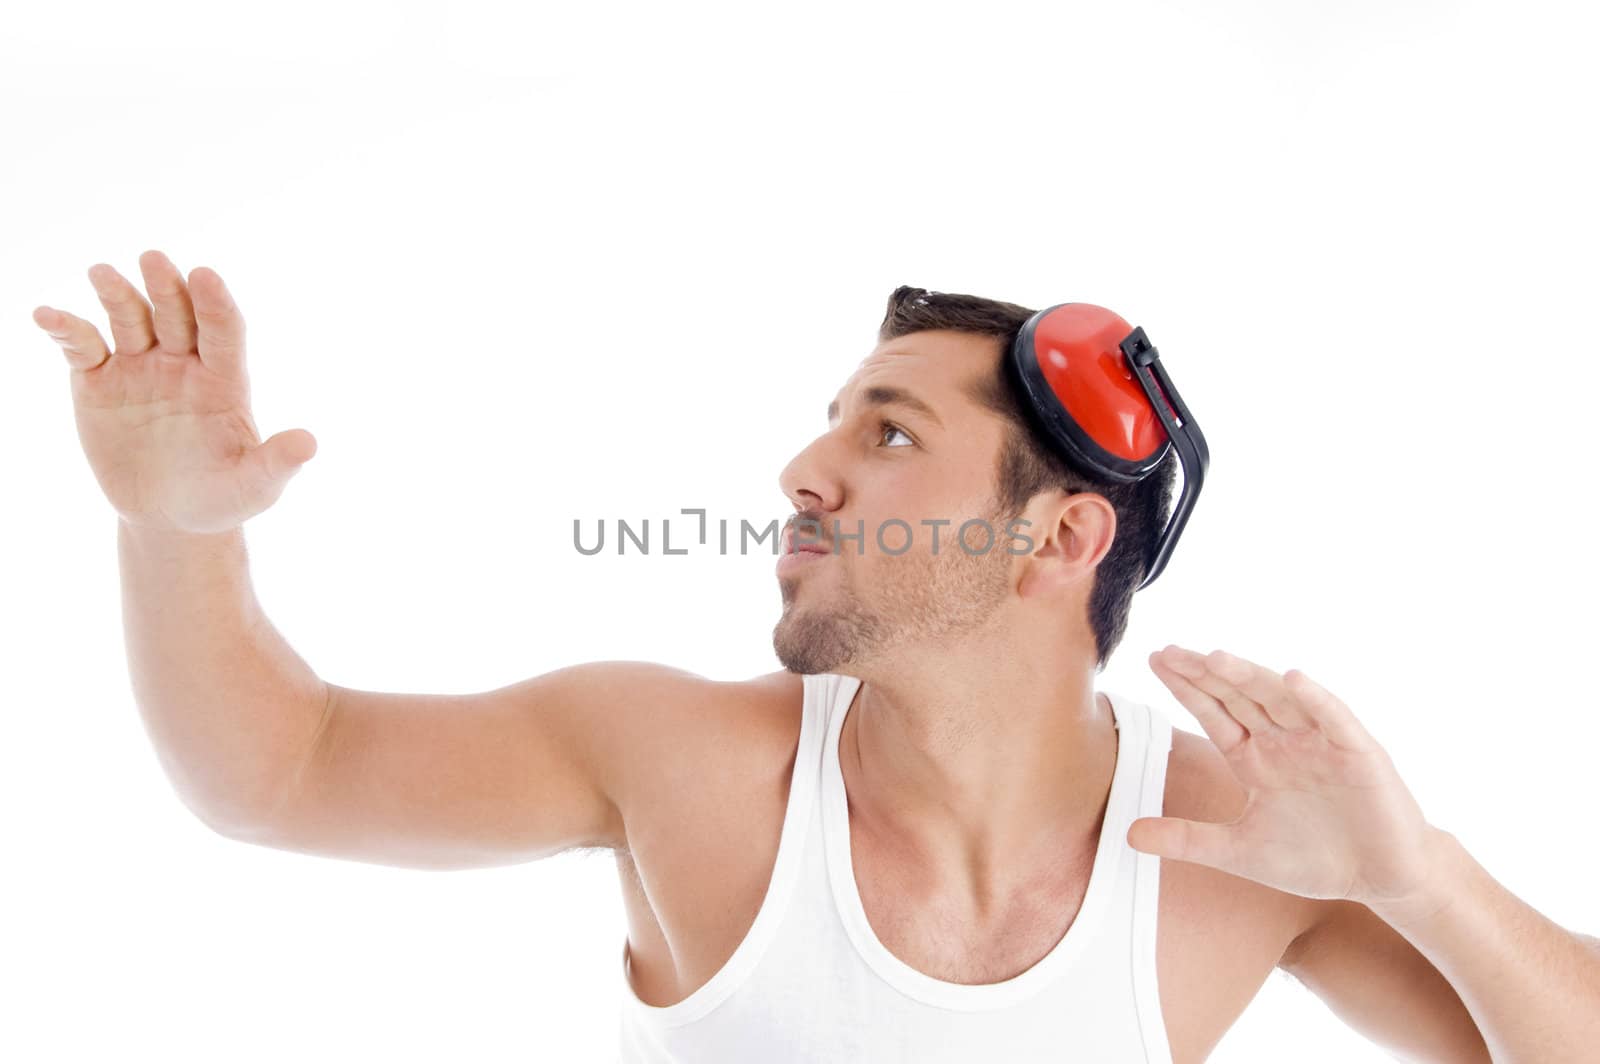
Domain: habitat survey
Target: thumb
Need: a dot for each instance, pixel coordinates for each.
(280, 456)
(1183, 840)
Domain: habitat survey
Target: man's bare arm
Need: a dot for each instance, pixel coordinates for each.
(515, 774)
(256, 744)
(1329, 817)
(263, 750)
(228, 705)
(1532, 986)
(1381, 986)
(1480, 970)
(163, 414)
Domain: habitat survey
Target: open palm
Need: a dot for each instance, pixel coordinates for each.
(164, 417)
(1326, 814)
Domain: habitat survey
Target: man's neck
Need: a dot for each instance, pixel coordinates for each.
(991, 770)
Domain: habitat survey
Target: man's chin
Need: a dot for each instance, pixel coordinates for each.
(809, 640)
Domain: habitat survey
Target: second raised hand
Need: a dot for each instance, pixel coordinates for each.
(1326, 815)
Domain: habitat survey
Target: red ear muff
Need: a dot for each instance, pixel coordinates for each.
(1097, 392)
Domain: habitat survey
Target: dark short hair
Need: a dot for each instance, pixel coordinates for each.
(1028, 465)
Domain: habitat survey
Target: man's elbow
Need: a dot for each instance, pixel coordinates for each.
(240, 821)
(239, 813)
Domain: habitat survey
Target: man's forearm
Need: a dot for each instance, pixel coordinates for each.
(1532, 987)
(228, 704)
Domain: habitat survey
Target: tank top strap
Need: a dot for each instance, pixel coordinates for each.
(818, 693)
(1160, 728)
(1147, 881)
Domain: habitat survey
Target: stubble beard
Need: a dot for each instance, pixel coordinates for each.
(922, 597)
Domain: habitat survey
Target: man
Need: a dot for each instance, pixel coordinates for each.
(927, 837)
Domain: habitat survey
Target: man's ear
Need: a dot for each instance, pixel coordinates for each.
(1070, 533)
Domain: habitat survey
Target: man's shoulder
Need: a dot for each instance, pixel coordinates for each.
(783, 686)
(674, 693)
(763, 700)
(705, 732)
(1201, 786)
(766, 709)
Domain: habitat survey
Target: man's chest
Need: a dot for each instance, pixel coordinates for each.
(700, 863)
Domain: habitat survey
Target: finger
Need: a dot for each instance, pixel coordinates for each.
(1184, 840)
(276, 459)
(131, 329)
(1197, 668)
(1262, 686)
(1218, 723)
(219, 325)
(80, 341)
(174, 319)
(1331, 716)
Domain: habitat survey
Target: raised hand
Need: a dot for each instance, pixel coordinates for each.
(1326, 816)
(164, 418)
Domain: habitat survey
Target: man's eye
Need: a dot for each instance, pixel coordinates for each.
(889, 427)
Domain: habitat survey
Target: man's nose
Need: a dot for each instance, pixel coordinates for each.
(810, 482)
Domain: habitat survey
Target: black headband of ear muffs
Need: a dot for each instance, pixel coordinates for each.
(1090, 381)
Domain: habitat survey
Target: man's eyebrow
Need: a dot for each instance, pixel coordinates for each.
(888, 395)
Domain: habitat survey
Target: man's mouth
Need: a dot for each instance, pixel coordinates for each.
(804, 558)
(793, 545)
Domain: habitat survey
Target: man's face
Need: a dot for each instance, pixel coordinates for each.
(887, 466)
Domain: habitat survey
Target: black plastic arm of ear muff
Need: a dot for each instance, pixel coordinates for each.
(1145, 361)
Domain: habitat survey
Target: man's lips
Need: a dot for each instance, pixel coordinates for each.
(791, 546)
(800, 557)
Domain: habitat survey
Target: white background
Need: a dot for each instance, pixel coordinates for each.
(513, 266)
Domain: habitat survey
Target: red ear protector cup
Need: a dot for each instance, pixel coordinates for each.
(1090, 380)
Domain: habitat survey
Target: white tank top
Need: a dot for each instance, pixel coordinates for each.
(811, 982)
